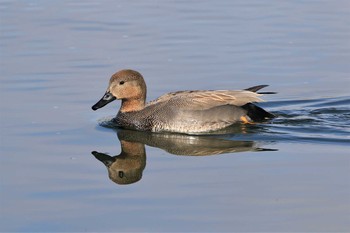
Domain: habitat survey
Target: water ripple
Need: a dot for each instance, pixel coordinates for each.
(318, 120)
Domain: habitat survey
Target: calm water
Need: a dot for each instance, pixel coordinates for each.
(288, 175)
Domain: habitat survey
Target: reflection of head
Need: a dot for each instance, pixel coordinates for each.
(127, 167)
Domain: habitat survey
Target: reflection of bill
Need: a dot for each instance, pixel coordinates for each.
(128, 166)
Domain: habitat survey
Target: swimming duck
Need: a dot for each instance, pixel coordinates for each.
(190, 112)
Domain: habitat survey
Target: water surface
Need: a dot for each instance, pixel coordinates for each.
(291, 174)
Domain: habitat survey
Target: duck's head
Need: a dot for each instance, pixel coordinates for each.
(126, 85)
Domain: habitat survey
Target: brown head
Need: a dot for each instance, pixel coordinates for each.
(128, 86)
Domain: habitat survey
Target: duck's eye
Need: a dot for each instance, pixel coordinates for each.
(121, 82)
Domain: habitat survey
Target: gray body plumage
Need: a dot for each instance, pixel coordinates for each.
(189, 111)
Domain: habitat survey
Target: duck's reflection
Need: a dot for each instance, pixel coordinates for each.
(128, 166)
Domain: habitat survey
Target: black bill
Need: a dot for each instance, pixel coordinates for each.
(107, 98)
(104, 158)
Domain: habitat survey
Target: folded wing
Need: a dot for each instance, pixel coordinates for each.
(201, 100)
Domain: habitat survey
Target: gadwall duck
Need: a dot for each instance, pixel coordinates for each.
(190, 112)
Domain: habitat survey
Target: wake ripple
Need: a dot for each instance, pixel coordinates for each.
(319, 120)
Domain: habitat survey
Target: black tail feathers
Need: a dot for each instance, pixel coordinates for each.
(256, 113)
(257, 88)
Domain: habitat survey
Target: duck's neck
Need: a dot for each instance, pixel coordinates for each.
(133, 148)
(131, 105)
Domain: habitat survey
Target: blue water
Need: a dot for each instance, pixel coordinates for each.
(63, 170)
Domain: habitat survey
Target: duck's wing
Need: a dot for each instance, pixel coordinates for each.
(165, 97)
(201, 100)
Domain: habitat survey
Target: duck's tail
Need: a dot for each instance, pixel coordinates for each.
(256, 113)
(257, 88)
